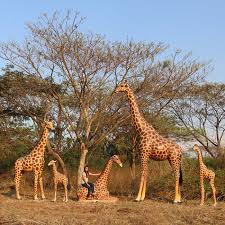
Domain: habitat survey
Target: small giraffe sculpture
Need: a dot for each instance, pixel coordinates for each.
(205, 173)
(101, 189)
(59, 178)
(34, 161)
(152, 146)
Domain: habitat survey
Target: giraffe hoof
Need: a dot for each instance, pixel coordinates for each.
(214, 205)
(36, 198)
(176, 202)
(19, 198)
(137, 200)
(54, 200)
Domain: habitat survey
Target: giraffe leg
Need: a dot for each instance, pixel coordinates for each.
(213, 190)
(17, 182)
(41, 187)
(36, 174)
(177, 172)
(142, 187)
(179, 194)
(66, 192)
(177, 197)
(202, 191)
(180, 185)
(56, 184)
(178, 181)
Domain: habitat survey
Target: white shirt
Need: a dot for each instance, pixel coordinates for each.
(84, 178)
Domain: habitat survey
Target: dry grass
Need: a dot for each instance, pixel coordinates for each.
(157, 209)
(124, 212)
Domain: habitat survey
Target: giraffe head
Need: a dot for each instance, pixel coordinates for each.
(112, 151)
(122, 87)
(49, 125)
(52, 162)
(116, 159)
(196, 148)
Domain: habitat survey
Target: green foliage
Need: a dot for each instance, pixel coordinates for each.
(70, 158)
(168, 125)
(16, 139)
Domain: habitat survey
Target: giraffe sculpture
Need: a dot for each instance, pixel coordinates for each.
(34, 161)
(59, 178)
(152, 146)
(205, 173)
(101, 184)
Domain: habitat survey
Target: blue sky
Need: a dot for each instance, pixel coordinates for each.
(192, 25)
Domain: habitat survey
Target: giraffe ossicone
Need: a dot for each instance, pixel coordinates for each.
(205, 173)
(34, 161)
(59, 178)
(101, 184)
(152, 145)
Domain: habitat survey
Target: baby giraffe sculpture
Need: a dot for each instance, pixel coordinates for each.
(59, 178)
(101, 189)
(205, 173)
(34, 161)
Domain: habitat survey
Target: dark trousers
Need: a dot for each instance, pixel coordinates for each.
(90, 188)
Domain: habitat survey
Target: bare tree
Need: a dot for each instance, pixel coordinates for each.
(202, 112)
(25, 96)
(87, 68)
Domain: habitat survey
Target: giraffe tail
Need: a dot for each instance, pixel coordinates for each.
(181, 177)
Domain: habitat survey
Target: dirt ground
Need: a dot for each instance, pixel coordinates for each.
(124, 212)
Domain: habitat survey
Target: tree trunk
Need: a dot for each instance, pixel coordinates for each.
(83, 154)
(59, 131)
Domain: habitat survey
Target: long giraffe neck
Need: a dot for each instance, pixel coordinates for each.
(42, 143)
(104, 176)
(200, 160)
(139, 122)
(54, 169)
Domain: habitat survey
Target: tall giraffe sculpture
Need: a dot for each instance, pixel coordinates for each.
(152, 146)
(205, 173)
(34, 161)
(101, 184)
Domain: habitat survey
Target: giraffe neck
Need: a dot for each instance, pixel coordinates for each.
(200, 160)
(42, 143)
(139, 122)
(104, 176)
(54, 169)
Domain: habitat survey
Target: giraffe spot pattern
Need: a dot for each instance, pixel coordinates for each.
(152, 145)
(101, 190)
(34, 161)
